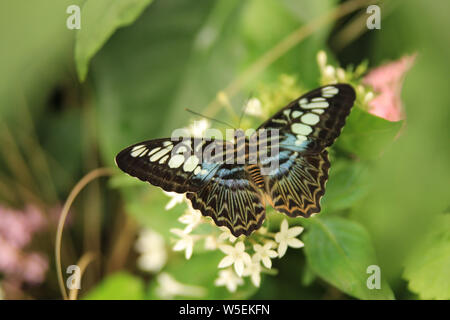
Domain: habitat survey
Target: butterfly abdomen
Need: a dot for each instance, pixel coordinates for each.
(255, 174)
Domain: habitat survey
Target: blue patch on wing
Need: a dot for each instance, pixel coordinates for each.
(286, 161)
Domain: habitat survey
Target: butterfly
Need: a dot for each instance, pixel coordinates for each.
(234, 193)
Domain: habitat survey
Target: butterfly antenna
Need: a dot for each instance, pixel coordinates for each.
(209, 118)
(245, 108)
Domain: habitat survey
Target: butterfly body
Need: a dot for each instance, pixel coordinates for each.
(284, 162)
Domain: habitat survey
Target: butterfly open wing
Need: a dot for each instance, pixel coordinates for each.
(307, 126)
(224, 192)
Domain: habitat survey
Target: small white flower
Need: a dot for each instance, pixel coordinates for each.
(369, 96)
(287, 237)
(235, 255)
(152, 261)
(264, 254)
(169, 288)
(340, 73)
(321, 59)
(229, 279)
(226, 235)
(153, 251)
(198, 128)
(211, 243)
(329, 72)
(192, 218)
(254, 108)
(186, 242)
(254, 271)
(176, 198)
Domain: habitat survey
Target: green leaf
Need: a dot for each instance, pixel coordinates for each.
(346, 186)
(138, 72)
(339, 251)
(99, 20)
(428, 267)
(118, 286)
(366, 135)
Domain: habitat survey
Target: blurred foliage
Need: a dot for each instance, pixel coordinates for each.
(145, 61)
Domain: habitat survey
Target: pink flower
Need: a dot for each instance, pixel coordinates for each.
(387, 81)
(18, 227)
(16, 232)
(34, 268)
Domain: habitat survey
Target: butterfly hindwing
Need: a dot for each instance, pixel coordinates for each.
(297, 186)
(232, 199)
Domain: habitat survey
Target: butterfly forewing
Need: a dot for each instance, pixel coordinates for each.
(172, 164)
(224, 192)
(312, 122)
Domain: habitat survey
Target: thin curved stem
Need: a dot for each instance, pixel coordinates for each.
(84, 261)
(94, 174)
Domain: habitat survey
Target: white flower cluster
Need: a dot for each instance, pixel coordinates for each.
(242, 257)
(152, 249)
(169, 288)
(329, 73)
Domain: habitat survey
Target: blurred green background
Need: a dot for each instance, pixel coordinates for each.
(142, 63)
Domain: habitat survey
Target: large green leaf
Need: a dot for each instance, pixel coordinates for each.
(118, 286)
(137, 73)
(428, 267)
(346, 186)
(340, 251)
(99, 20)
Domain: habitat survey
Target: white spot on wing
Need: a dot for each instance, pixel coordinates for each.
(182, 149)
(138, 151)
(303, 101)
(163, 159)
(300, 140)
(296, 114)
(310, 118)
(300, 128)
(320, 104)
(329, 91)
(159, 154)
(176, 161)
(154, 150)
(190, 164)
